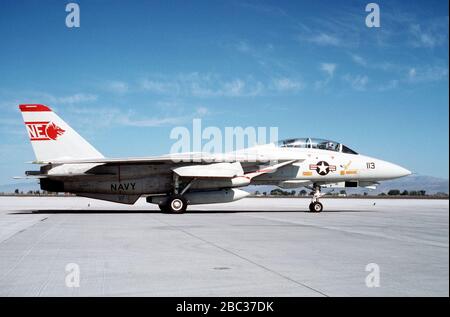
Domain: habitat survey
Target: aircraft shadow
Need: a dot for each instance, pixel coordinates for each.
(112, 211)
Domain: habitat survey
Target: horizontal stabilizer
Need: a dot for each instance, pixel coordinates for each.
(30, 177)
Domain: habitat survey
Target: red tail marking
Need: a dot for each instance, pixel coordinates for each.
(43, 130)
(53, 131)
(34, 108)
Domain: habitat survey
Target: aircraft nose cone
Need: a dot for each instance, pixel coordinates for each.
(397, 171)
(401, 171)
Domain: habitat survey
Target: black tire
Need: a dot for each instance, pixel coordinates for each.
(316, 207)
(176, 204)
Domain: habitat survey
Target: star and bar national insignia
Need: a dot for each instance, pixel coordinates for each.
(322, 168)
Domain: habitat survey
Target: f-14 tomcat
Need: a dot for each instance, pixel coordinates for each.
(174, 181)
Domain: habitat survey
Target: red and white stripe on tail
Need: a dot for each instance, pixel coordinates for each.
(52, 138)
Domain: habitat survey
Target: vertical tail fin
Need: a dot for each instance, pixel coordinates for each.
(52, 138)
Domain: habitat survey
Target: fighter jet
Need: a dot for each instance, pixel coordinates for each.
(173, 181)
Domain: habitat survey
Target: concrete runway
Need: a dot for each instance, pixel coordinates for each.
(253, 247)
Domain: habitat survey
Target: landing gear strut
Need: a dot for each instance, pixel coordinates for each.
(176, 203)
(315, 205)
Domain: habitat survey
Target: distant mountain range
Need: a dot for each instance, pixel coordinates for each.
(431, 185)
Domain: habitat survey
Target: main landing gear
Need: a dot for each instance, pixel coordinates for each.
(315, 205)
(176, 203)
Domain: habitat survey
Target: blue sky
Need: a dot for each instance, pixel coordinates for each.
(136, 69)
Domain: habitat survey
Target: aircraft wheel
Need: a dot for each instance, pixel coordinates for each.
(316, 207)
(176, 204)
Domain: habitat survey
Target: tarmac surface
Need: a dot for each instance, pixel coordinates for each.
(253, 247)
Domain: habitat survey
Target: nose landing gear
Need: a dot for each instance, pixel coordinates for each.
(315, 205)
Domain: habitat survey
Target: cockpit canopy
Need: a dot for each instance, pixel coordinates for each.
(311, 143)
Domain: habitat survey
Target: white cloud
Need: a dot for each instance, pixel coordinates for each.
(328, 68)
(50, 99)
(261, 54)
(412, 73)
(434, 34)
(357, 82)
(241, 88)
(359, 60)
(76, 98)
(427, 74)
(243, 47)
(118, 87)
(203, 85)
(324, 39)
(285, 84)
(114, 116)
(160, 87)
(417, 75)
(234, 88)
(134, 120)
(150, 122)
(391, 84)
(32, 97)
(202, 111)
